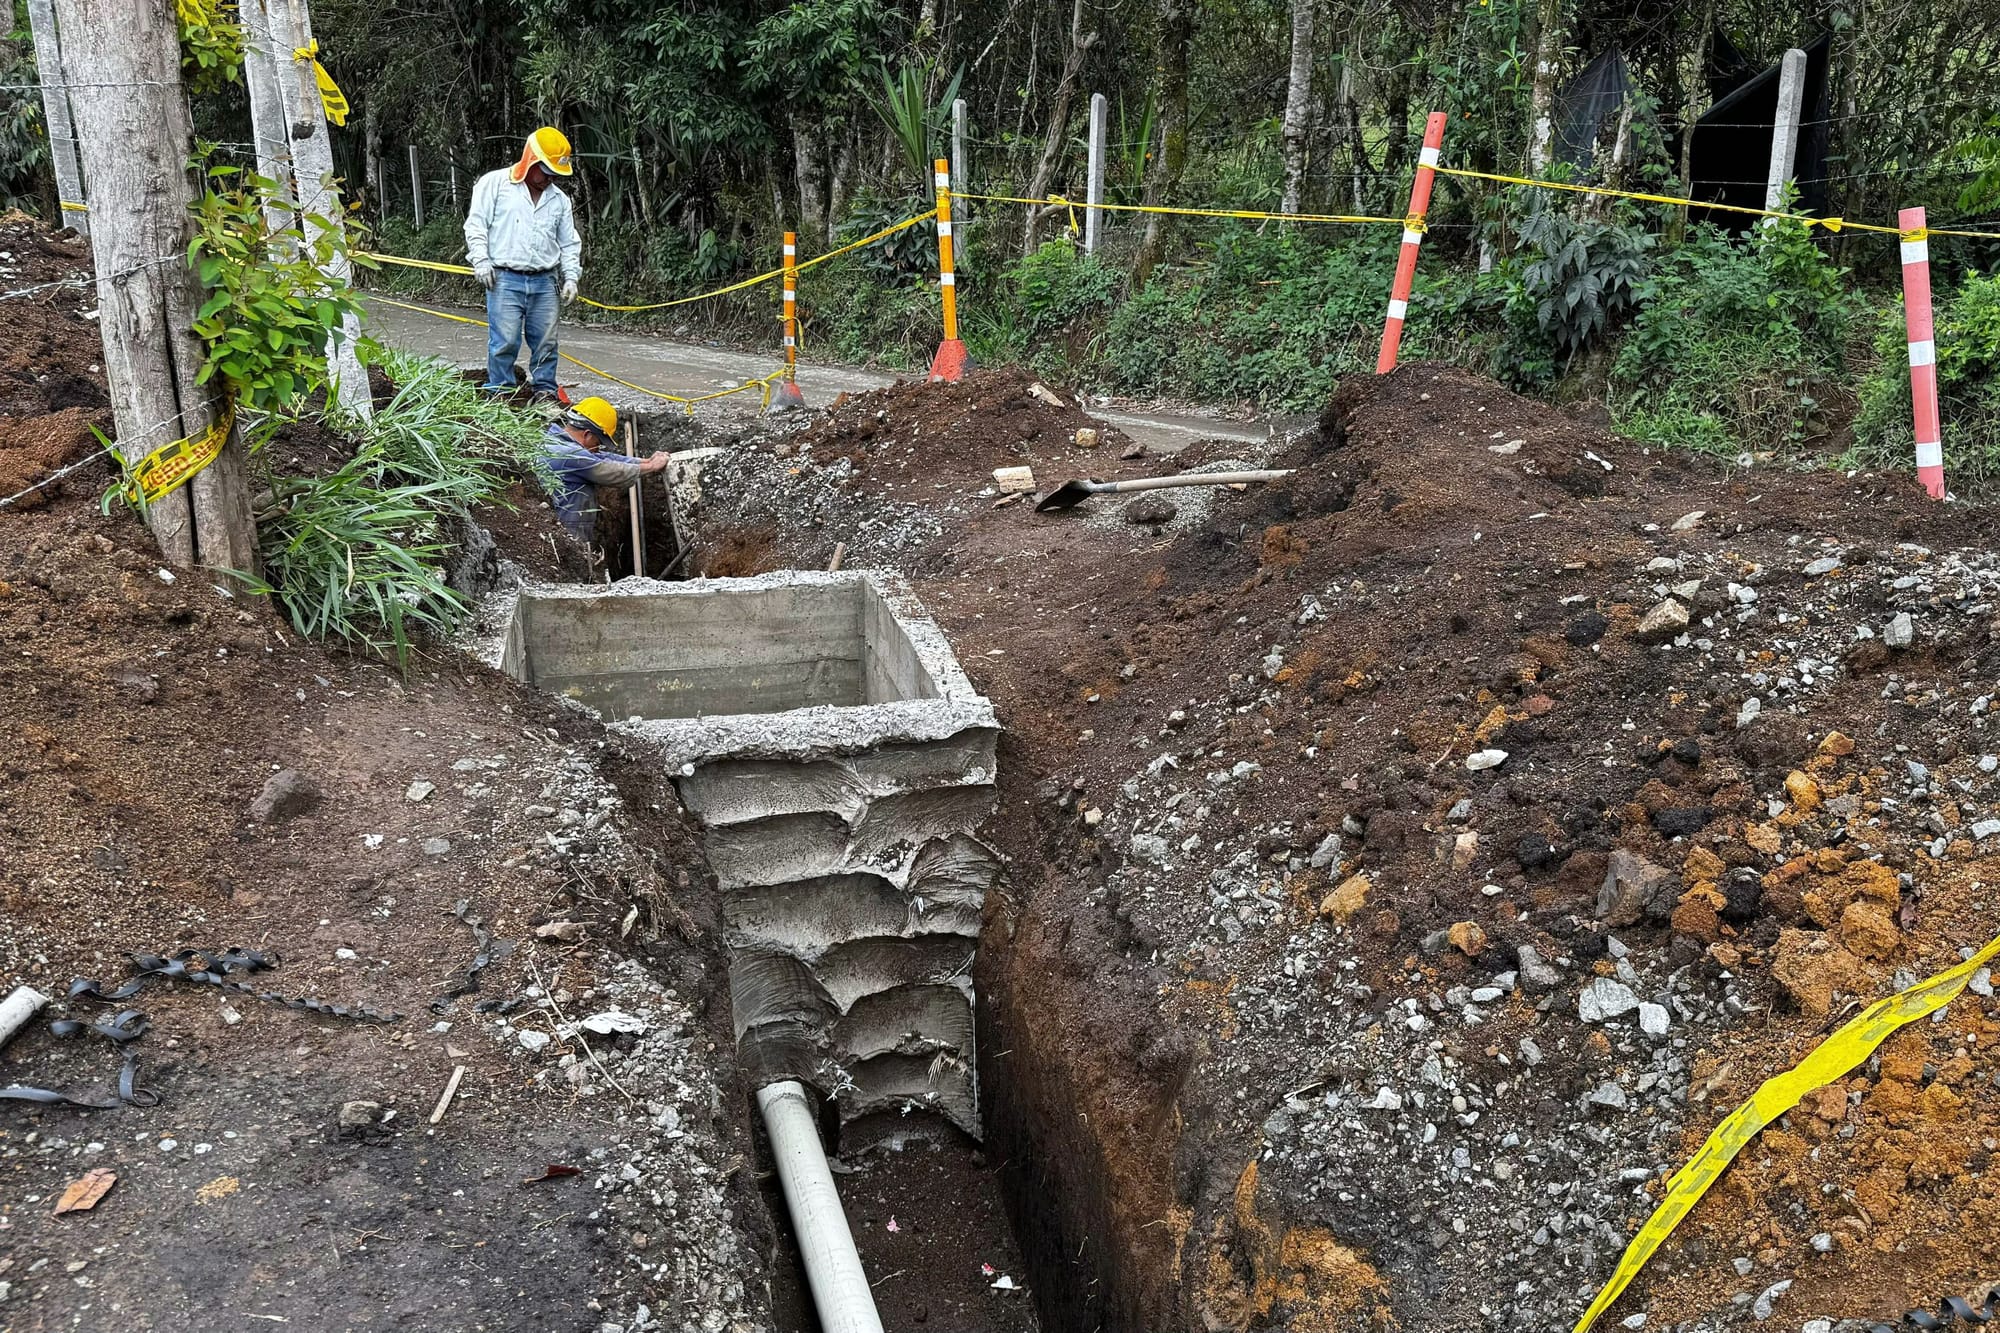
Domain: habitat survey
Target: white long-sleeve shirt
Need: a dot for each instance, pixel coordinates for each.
(509, 228)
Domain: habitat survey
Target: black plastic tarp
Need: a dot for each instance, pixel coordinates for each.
(1731, 156)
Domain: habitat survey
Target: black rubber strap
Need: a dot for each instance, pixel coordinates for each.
(218, 968)
(488, 953)
(1956, 1310)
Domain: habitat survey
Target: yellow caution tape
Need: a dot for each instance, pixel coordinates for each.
(1675, 201)
(870, 239)
(74, 208)
(1058, 201)
(330, 95)
(1831, 1059)
(164, 470)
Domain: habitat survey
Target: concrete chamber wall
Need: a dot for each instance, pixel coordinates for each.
(840, 765)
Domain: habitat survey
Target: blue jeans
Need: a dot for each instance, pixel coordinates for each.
(521, 309)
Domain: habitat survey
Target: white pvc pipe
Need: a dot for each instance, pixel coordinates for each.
(833, 1268)
(17, 1009)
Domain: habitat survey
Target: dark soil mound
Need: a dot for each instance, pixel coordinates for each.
(922, 435)
(51, 374)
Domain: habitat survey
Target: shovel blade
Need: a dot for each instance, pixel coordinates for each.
(1066, 496)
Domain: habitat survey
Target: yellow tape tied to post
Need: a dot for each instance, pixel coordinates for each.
(171, 465)
(330, 95)
(1831, 1059)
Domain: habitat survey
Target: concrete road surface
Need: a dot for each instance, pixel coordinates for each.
(691, 369)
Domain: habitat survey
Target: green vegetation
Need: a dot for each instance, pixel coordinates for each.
(267, 312)
(358, 555)
(1968, 373)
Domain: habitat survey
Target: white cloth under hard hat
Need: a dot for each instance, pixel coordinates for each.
(508, 228)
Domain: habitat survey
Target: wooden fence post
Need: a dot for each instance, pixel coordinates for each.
(71, 200)
(1100, 114)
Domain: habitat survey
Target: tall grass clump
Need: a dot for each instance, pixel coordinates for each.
(359, 554)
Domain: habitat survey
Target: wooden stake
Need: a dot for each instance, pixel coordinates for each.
(450, 1091)
(638, 503)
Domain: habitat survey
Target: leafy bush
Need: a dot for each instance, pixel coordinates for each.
(358, 555)
(1737, 344)
(1276, 318)
(1580, 277)
(1967, 331)
(267, 313)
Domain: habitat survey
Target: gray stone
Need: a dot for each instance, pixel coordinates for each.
(1150, 508)
(1654, 1019)
(1826, 564)
(437, 846)
(1481, 760)
(531, 1040)
(419, 790)
(1149, 847)
(356, 1116)
(1603, 999)
(1900, 632)
(1985, 829)
(1981, 983)
(1538, 975)
(1666, 620)
(286, 794)
(1633, 889)
(1761, 1307)
(1609, 1096)
(1327, 852)
(1386, 1099)
(1748, 712)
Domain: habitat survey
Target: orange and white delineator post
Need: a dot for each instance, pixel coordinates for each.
(952, 362)
(1413, 237)
(785, 395)
(1923, 349)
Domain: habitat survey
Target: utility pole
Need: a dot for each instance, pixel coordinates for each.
(1100, 114)
(56, 114)
(290, 28)
(1785, 127)
(134, 131)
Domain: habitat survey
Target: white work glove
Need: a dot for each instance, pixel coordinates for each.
(569, 290)
(484, 272)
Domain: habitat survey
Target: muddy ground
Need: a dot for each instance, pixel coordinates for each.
(1313, 795)
(1399, 891)
(178, 770)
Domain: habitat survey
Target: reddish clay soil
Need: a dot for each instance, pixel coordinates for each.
(1456, 568)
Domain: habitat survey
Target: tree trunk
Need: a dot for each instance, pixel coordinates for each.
(134, 130)
(1697, 87)
(1298, 103)
(1542, 99)
(807, 166)
(1080, 43)
(1177, 19)
(371, 148)
(837, 190)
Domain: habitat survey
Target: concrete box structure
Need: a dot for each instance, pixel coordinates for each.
(840, 765)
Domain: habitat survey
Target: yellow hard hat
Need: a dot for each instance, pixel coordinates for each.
(548, 147)
(598, 414)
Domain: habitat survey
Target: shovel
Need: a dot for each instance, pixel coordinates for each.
(1073, 493)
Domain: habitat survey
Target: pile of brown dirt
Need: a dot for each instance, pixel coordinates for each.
(1265, 910)
(51, 382)
(911, 439)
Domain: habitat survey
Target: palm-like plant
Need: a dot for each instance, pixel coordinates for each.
(917, 122)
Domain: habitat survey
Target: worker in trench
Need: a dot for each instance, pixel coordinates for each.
(521, 239)
(576, 448)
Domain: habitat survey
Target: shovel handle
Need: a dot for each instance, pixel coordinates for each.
(1188, 479)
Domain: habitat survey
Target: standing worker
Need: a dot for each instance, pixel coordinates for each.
(573, 447)
(521, 238)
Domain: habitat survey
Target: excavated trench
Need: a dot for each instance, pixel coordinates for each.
(843, 773)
